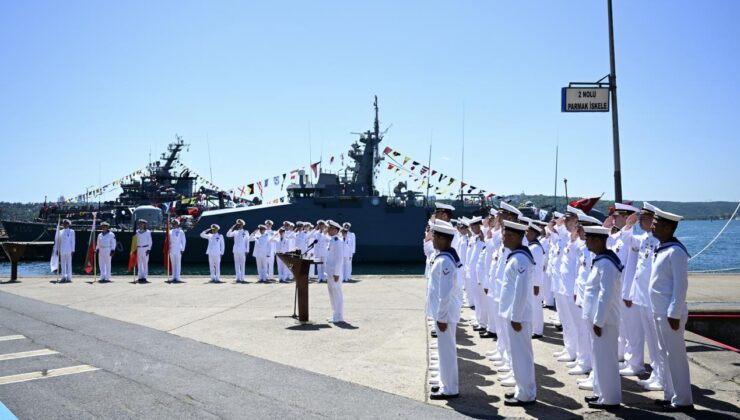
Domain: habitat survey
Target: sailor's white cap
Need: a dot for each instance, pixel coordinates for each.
(511, 209)
(572, 210)
(442, 226)
(104, 224)
(334, 224)
(625, 207)
(660, 214)
(268, 222)
(215, 226)
(348, 224)
(597, 230)
(291, 224)
(443, 206)
(261, 226)
(309, 224)
(648, 208)
(67, 221)
(320, 222)
(299, 223)
(494, 212)
(474, 220)
(515, 226)
(142, 221)
(531, 225)
(524, 219)
(175, 221)
(540, 222)
(240, 222)
(584, 218)
(557, 214)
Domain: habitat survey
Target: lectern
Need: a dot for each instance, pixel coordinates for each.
(299, 267)
(14, 251)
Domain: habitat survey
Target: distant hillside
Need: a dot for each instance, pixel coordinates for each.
(690, 210)
(19, 211)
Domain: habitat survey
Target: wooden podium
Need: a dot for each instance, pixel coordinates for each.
(299, 267)
(14, 251)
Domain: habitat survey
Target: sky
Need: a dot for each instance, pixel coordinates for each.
(89, 89)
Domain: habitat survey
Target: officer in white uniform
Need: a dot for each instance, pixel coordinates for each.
(333, 268)
(66, 246)
(669, 283)
(214, 251)
(349, 252)
(177, 247)
(143, 248)
(240, 248)
(538, 253)
(261, 252)
(106, 246)
(322, 242)
(567, 272)
(601, 304)
(282, 247)
(515, 308)
(444, 301)
(273, 249)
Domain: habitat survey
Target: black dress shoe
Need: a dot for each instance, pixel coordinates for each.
(485, 335)
(509, 395)
(590, 399)
(438, 396)
(479, 329)
(435, 389)
(662, 403)
(513, 402)
(603, 406)
(672, 408)
(559, 327)
(472, 307)
(536, 336)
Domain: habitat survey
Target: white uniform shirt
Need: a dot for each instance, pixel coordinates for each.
(515, 304)
(241, 240)
(334, 255)
(66, 241)
(640, 293)
(602, 298)
(106, 242)
(538, 253)
(585, 261)
(669, 280)
(444, 294)
(177, 241)
(144, 240)
(215, 243)
(261, 244)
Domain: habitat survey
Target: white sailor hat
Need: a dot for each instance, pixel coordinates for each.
(494, 212)
(443, 206)
(442, 226)
(268, 222)
(511, 209)
(573, 210)
(660, 214)
(540, 222)
(334, 224)
(142, 221)
(348, 224)
(474, 220)
(648, 208)
(309, 224)
(557, 214)
(299, 223)
(625, 207)
(524, 219)
(215, 226)
(260, 226)
(320, 222)
(597, 230)
(175, 221)
(584, 218)
(291, 224)
(240, 222)
(531, 225)
(105, 224)
(464, 221)
(515, 226)
(67, 222)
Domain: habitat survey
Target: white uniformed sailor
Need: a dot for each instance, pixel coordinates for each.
(333, 268)
(444, 301)
(538, 253)
(349, 250)
(214, 251)
(262, 249)
(177, 247)
(143, 248)
(567, 263)
(515, 307)
(240, 248)
(106, 246)
(273, 249)
(601, 304)
(669, 284)
(322, 242)
(283, 246)
(65, 243)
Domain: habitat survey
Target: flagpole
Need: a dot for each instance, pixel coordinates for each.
(462, 175)
(167, 255)
(555, 196)
(59, 249)
(429, 165)
(310, 158)
(95, 251)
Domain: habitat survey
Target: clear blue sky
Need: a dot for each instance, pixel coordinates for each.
(88, 88)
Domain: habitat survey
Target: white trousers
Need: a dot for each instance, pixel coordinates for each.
(271, 266)
(214, 263)
(633, 337)
(347, 266)
(538, 316)
(66, 266)
(522, 361)
(481, 305)
(336, 299)
(470, 293)
(492, 314)
(240, 262)
(176, 263)
(563, 303)
(447, 350)
(546, 291)
(584, 357)
(142, 263)
(321, 267)
(104, 263)
(503, 344)
(607, 383)
(676, 369)
(651, 337)
(282, 270)
(262, 267)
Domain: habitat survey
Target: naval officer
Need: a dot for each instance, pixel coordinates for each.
(350, 241)
(601, 305)
(515, 308)
(143, 248)
(272, 249)
(214, 251)
(177, 247)
(240, 249)
(66, 246)
(444, 301)
(669, 282)
(333, 268)
(261, 252)
(538, 253)
(106, 246)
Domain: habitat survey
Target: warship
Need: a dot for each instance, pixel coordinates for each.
(389, 228)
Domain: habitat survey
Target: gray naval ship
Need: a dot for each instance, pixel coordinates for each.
(389, 229)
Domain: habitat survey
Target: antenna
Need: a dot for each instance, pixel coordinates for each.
(462, 175)
(429, 167)
(210, 169)
(555, 197)
(310, 159)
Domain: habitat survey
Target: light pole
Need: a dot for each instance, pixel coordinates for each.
(615, 113)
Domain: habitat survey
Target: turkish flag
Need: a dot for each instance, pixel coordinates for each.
(585, 204)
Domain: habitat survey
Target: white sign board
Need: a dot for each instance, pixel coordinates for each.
(585, 99)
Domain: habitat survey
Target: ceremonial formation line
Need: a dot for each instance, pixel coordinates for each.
(614, 291)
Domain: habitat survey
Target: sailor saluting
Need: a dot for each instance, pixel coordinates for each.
(214, 251)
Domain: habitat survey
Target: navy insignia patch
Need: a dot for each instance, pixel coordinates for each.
(445, 271)
(522, 270)
(336, 239)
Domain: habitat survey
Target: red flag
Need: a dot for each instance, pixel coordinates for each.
(132, 253)
(390, 166)
(585, 204)
(166, 248)
(387, 150)
(315, 167)
(259, 184)
(90, 258)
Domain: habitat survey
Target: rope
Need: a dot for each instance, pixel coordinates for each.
(718, 234)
